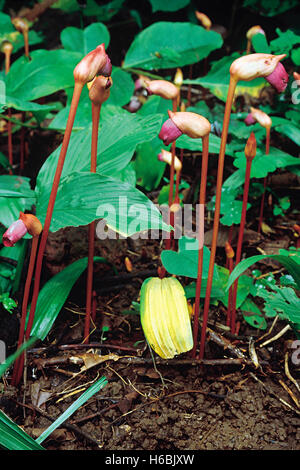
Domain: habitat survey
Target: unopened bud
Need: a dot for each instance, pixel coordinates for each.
(250, 149)
(163, 88)
(6, 47)
(165, 156)
(229, 250)
(203, 19)
(32, 223)
(20, 24)
(128, 264)
(99, 89)
(253, 31)
(178, 79)
(94, 63)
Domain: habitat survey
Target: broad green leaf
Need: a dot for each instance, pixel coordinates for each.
(186, 142)
(103, 12)
(170, 44)
(284, 42)
(46, 73)
(83, 197)
(54, 294)
(263, 164)
(296, 56)
(245, 285)
(149, 169)
(216, 291)
(127, 175)
(260, 43)
(122, 89)
(235, 180)
(283, 302)
(23, 105)
(10, 209)
(185, 261)
(291, 131)
(217, 80)
(84, 41)
(162, 5)
(12, 437)
(118, 138)
(286, 261)
(15, 196)
(74, 407)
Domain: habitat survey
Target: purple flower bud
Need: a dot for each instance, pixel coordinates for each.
(278, 78)
(106, 70)
(14, 233)
(249, 120)
(169, 132)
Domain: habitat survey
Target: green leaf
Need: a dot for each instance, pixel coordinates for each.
(185, 142)
(9, 33)
(263, 164)
(217, 80)
(84, 41)
(296, 56)
(170, 44)
(260, 43)
(12, 437)
(252, 314)
(54, 294)
(46, 73)
(162, 5)
(118, 138)
(284, 42)
(74, 407)
(11, 359)
(185, 261)
(286, 261)
(103, 12)
(83, 197)
(149, 169)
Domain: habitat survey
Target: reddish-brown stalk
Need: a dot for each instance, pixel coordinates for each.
(262, 202)
(74, 104)
(229, 256)
(7, 50)
(249, 44)
(18, 366)
(89, 287)
(94, 306)
(189, 92)
(250, 152)
(229, 240)
(202, 200)
(228, 106)
(172, 172)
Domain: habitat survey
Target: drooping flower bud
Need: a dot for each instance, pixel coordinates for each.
(163, 88)
(165, 316)
(191, 124)
(6, 47)
(21, 24)
(14, 233)
(253, 31)
(94, 63)
(33, 225)
(250, 148)
(134, 104)
(249, 120)
(256, 65)
(261, 117)
(99, 89)
(229, 250)
(165, 156)
(169, 132)
(203, 19)
(278, 78)
(141, 82)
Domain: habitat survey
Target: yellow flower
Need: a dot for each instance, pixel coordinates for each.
(165, 317)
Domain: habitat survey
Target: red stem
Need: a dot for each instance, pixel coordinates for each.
(22, 144)
(89, 285)
(202, 197)
(240, 239)
(172, 172)
(9, 124)
(230, 95)
(230, 294)
(230, 233)
(58, 172)
(18, 366)
(26, 43)
(262, 202)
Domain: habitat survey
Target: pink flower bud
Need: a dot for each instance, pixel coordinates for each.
(296, 76)
(254, 30)
(166, 90)
(99, 89)
(191, 124)
(249, 120)
(166, 157)
(169, 132)
(14, 233)
(94, 63)
(261, 117)
(256, 65)
(278, 78)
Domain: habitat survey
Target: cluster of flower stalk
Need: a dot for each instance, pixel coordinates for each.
(245, 68)
(93, 70)
(162, 294)
(6, 47)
